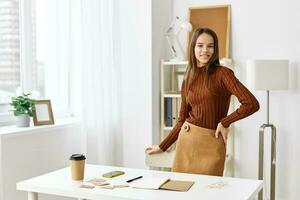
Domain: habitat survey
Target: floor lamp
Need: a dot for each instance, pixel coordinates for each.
(267, 75)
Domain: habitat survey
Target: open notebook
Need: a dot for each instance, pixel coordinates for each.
(149, 182)
(162, 183)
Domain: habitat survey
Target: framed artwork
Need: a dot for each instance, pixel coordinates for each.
(42, 113)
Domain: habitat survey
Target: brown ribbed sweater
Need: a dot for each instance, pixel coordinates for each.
(207, 105)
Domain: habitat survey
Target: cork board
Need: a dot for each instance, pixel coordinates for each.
(216, 18)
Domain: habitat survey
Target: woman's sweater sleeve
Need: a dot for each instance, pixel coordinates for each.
(249, 103)
(173, 135)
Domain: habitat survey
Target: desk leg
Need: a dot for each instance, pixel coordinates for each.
(32, 196)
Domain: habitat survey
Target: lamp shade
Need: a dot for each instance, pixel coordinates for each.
(186, 26)
(267, 74)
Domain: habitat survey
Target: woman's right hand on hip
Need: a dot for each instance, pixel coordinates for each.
(153, 149)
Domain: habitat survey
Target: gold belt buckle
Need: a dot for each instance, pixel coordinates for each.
(186, 127)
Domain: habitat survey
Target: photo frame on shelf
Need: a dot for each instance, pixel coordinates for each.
(42, 113)
(179, 76)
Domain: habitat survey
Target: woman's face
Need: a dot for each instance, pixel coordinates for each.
(204, 49)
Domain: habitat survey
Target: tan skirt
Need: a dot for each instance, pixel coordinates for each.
(198, 151)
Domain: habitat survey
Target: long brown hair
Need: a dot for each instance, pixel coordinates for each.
(213, 62)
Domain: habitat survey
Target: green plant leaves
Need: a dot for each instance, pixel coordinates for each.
(22, 104)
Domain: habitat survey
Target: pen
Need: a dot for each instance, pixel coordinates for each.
(133, 179)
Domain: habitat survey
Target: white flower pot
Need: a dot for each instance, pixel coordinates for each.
(23, 120)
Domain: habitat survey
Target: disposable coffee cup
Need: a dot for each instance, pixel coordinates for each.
(77, 166)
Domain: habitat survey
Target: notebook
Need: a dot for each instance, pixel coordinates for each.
(149, 182)
(175, 185)
(162, 183)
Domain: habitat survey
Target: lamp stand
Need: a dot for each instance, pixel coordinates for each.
(273, 154)
(172, 48)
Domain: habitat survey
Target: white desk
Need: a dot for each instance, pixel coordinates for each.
(59, 183)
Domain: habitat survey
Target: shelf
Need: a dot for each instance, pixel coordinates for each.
(168, 128)
(167, 62)
(171, 94)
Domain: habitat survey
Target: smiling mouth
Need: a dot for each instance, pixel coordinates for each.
(205, 56)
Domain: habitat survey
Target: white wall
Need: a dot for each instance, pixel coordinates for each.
(143, 45)
(30, 152)
(161, 19)
(265, 30)
(136, 68)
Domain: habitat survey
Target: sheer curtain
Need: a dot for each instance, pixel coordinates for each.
(86, 51)
(100, 81)
(58, 54)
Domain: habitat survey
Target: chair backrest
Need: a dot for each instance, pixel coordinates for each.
(164, 159)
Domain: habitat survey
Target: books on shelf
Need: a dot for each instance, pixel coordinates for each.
(171, 111)
(168, 111)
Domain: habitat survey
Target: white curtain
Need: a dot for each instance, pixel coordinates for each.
(58, 56)
(88, 29)
(100, 81)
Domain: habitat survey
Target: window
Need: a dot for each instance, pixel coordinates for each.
(9, 49)
(33, 46)
(18, 68)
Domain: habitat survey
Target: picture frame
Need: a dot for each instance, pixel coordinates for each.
(42, 113)
(179, 76)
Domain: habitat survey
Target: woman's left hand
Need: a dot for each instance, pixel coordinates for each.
(224, 132)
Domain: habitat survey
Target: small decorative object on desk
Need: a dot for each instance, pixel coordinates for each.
(218, 185)
(111, 187)
(42, 113)
(23, 109)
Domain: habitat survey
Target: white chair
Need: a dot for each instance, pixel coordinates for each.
(161, 160)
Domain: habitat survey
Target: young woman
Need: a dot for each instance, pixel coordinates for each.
(202, 127)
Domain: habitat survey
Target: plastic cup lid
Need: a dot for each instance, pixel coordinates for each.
(77, 157)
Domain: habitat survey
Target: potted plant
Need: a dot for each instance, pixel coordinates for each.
(23, 107)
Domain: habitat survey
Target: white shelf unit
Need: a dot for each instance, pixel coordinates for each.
(172, 73)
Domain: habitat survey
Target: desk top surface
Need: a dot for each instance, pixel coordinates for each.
(205, 187)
